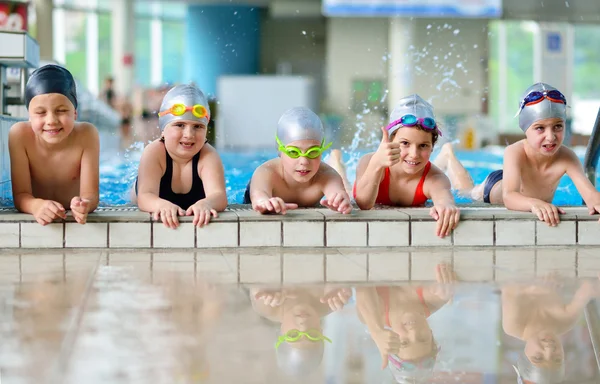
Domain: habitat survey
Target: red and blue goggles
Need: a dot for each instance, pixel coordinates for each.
(535, 97)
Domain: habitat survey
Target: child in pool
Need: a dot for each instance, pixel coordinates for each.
(54, 159)
(297, 178)
(300, 311)
(396, 317)
(400, 173)
(533, 166)
(536, 314)
(180, 174)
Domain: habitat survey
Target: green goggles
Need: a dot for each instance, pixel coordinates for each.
(295, 152)
(294, 335)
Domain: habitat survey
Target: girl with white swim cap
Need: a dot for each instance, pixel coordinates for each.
(297, 178)
(180, 174)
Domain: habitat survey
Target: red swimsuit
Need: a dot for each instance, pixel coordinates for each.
(383, 196)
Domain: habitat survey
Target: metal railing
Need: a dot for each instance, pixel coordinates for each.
(590, 162)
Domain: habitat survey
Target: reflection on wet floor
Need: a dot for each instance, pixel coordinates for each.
(334, 316)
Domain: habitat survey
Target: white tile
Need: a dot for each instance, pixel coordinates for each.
(128, 257)
(303, 233)
(129, 235)
(40, 263)
(563, 234)
(260, 268)
(512, 264)
(389, 233)
(9, 235)
(260, 233)
(474, 232)
(217, 235)
(514, 232)
(34, 235)
(346, 234)
(474, 265)
(89, 235)
(424, 263)
(388, 266)
(588, 263)
(556, 260)
(303, 267)
(423, 234)
(214, 265)
(589, 233)
(181, 237)
(347, 267)
(173, 257)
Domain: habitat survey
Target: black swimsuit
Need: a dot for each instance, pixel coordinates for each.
(183, 200)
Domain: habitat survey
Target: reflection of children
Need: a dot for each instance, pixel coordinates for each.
(537, 315)
(297, 178)
(533, 166)
(300, 346)
(54, 159)
(399, 173)
(180, 174)
(397, 321)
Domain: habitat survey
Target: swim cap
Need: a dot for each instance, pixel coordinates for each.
(410, 105)
(545, 109)
(51, 79)
(299, 123)
(299, 362)
(188, 95)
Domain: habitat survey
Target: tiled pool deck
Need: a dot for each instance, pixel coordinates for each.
(239, 226)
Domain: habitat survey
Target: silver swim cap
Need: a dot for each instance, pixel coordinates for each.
(410, 105)
(188, 95)
(299, 123)
(544, 109)
(299, 362)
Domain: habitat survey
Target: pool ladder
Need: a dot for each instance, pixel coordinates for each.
(590, 162)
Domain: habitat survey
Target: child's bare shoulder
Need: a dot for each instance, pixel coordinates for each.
(516, 148)
(86, 133)
(22, 129)
(209, 152)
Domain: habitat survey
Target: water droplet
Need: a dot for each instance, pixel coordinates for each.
(456, 32)
(567, 4)
(428, 26)
(304, 33)
(235, 13)
(475, 45)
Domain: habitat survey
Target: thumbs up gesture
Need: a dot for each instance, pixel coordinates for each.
(388, 152)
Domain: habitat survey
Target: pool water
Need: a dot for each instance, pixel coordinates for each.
(117, 174)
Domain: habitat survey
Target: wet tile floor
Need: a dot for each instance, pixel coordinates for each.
(309, 316)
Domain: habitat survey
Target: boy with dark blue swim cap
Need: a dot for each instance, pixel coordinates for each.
(54, 159)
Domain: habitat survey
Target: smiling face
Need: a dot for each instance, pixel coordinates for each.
(416, 339)
(416, 146)
(184, 138)
(301, 169)
(52, 117)
(545, 350)
(546, 136)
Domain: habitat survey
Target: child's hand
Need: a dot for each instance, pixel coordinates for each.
(338, 201)
(388, 343)
(447, 217)
(594, 207)
(546, 212)
(272, 298)
(337, 298)
(202, 212)
(445, 278)
(48, 211)
(273, 204)
(388, 152)
(79, 208)
(167, 212)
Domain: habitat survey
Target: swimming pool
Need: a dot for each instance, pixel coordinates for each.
(117, 173)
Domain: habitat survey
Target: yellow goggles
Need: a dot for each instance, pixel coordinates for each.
(295, 152)
(197, 110)
(293, 335)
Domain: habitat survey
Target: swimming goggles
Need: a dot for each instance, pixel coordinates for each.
(427, 123)
(535, 97)
(197, 110)
(293, 335)
(295, 152)
(406, 365)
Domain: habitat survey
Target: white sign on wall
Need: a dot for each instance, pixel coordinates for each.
(414, 8)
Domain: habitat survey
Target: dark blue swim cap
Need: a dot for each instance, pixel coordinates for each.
(51, 79)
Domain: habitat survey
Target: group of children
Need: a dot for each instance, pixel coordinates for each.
(55, 162)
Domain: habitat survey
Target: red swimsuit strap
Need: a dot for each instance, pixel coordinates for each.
(420, 197)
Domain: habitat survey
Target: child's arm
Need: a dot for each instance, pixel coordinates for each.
(261, 192)
(89, 186)
(336, 197)
(213, 179)
(44, 211)
(511, 189)
(149, 175)
(585, 188)
(444, 210)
